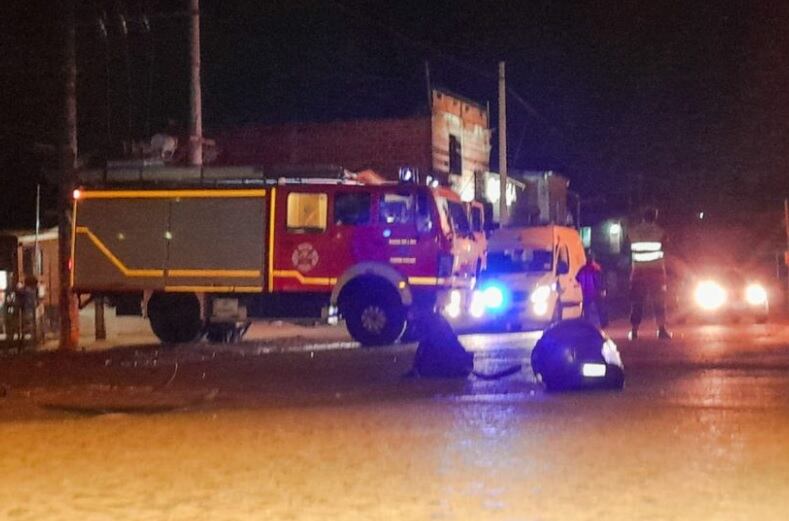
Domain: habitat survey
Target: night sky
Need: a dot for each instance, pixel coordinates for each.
(683, 104)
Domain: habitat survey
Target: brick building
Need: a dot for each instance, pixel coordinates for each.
(451, 143)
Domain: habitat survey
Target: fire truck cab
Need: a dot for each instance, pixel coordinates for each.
(202, 257)
(476, 219)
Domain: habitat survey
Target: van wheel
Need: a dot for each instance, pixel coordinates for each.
(175, 317)
(374, 315)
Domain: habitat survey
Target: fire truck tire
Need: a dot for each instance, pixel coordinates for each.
(175, 317)
(374, 313)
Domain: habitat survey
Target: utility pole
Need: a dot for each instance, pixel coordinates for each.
(786, 252)
(502, 146)
(428, 87)
(195, 98)
(68, 310)
(37, 248)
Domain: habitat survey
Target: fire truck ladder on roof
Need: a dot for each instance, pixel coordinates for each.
(156, 173)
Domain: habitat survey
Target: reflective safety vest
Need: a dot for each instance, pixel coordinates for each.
(646, 246)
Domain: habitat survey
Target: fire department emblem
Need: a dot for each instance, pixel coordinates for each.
(304, 257)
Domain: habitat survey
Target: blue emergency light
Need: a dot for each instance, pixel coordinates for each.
(407, 174)
(494, 297)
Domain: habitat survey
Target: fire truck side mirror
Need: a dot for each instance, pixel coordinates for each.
(424, 224)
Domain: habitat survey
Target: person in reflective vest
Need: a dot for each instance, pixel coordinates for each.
(648, 273)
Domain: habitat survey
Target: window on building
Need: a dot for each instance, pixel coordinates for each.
(307, 212)
(396, 209)
(455, 156)
(351, 208)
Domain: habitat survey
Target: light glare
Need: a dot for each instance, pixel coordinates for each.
(710, 295)
(493, 297)
(541, 294)
(593, 370)
(540, 308)
(755, 294)
(477, 308)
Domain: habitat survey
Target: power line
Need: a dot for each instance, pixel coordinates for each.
(424, 46)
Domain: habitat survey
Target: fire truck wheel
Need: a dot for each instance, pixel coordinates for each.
(175, 317)
(375, 315)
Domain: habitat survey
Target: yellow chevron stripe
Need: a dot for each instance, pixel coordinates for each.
(168, 194)
(133, 272)
(315, 281)
(213, 289)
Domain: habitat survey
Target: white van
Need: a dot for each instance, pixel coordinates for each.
(530, 278)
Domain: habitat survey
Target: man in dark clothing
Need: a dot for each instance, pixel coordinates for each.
(592, 281)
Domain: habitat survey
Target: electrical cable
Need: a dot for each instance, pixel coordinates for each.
(526, 106)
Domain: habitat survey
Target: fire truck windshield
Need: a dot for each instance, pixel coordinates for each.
(453, 217)
(459, 219)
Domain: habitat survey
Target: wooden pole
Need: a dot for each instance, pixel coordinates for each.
(37, 247)
(100, 328)
(195, 98)
(502, 146)
(786, 252)
(428, 87)
(786, 222)
(68, 311)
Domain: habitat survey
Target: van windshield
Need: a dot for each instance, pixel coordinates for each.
(517, 261)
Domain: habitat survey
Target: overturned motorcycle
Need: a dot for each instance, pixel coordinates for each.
(575, 354)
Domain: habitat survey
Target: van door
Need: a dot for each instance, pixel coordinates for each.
(570, 295)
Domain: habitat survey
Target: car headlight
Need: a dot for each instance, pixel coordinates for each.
(539, 300)
(540, 295)
(755, 294)
(453, 308)
(477, 308)
(710, 295)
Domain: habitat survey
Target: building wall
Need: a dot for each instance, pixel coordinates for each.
(468, 123)
(383, 145)
(17, 257)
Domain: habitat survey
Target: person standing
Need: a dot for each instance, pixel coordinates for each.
(592, 281)
(648, 273)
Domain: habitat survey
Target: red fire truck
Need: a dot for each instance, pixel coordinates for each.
(200, 250)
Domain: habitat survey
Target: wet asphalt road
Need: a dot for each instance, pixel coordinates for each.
(328, 431)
